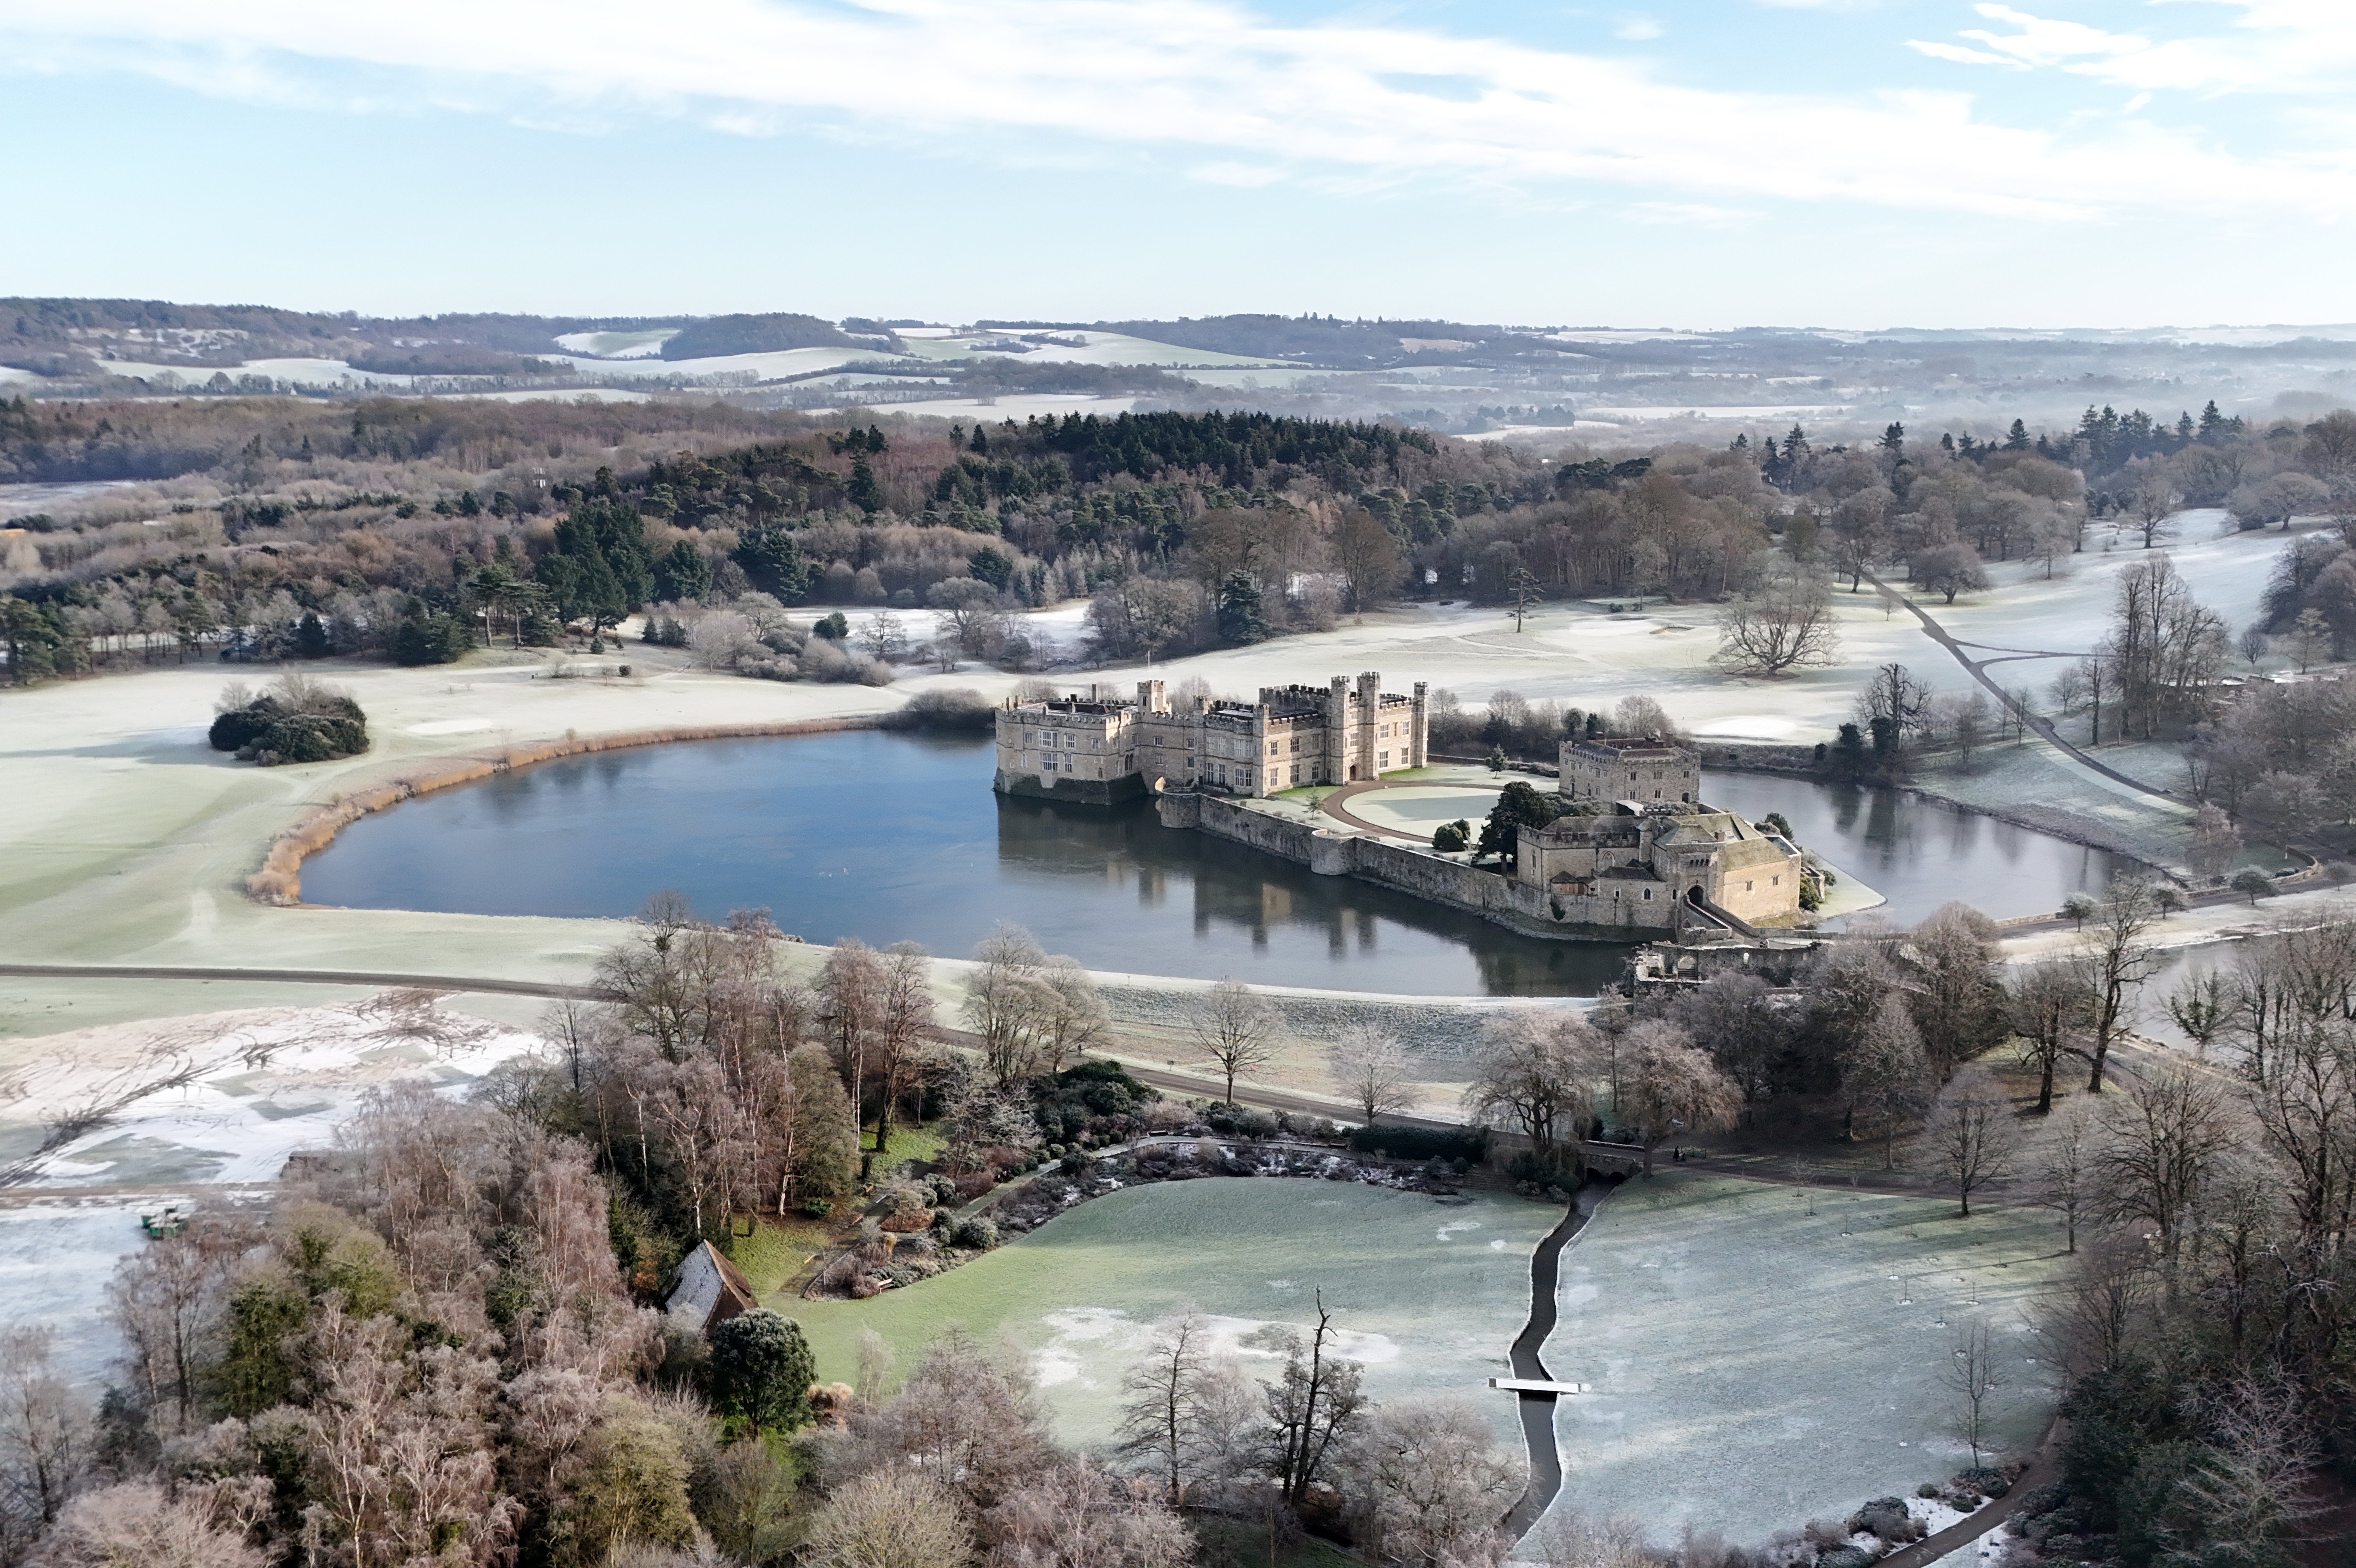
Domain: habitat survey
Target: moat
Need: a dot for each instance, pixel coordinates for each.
(891, 838)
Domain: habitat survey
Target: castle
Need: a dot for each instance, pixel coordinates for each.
(1642, 851)
(1103, 747)
(1637, 855)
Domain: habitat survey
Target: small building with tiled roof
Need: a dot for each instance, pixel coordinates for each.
(706, 1290)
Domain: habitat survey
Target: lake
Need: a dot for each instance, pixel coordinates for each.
(893, 837)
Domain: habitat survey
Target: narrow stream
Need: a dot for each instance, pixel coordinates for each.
(1538, 1409)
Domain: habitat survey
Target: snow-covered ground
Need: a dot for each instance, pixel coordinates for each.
(1016, 406)
(642, 345)
(225, 1097)
(56, 1256)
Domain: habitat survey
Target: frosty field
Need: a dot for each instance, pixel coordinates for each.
(1429, 1293)
(1760, 1366)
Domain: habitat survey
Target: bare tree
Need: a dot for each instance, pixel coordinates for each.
(2253, 1492)
(165, 1299)
(2066, 1170)
(1159, 1420)
(903, 1014)
(1971, 1140)
(1432, 1481)
(891, 1517)
(139, 1522)
(1539, 1068)
(874, 1368)
(1669, 1086)
(1368, 558)
(1237, 1027)
(1033, 1011)
(1970, 1375)
(1787, 625)
(1568, 1538)
(2118, 959)
(1369, 1064)
(1078, 1515)
(1314, 1406)
(1882, 1069)
(44, 1428)
(2051, 1007)
(2160, 1141)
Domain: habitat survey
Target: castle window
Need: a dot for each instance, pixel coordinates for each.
(1383, 761)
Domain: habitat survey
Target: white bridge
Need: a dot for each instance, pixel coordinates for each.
(1539, 1385)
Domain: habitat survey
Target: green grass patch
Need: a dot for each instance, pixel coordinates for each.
(776, 1251)
(1429, 1292)
(909, 1141)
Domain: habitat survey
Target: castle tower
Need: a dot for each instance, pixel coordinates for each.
(1419, 741)
(1362, 734)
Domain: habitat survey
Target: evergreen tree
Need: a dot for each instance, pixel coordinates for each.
(310, 638)
(773, 563)
(683, 573)
(2017, 439)
(762, 1370)
(864, 492)
(1241, 618)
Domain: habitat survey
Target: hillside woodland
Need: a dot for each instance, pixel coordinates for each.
(410, 529)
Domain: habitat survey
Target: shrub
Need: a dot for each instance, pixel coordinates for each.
(977, 1233)
(1846, 1557)
(1470, 1144)
(959, 711)
(1079, 1162)
(298, 721)
(1449, 837)
(817, 1208)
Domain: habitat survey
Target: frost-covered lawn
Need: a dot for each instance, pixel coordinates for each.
(1760, 1366)
(1429, 1294)
(226, 1097)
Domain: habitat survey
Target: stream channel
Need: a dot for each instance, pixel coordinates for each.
(892, 837)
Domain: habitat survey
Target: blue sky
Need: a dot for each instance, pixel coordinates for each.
(1708, 162)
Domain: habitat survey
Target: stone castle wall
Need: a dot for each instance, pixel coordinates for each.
(1496, 898)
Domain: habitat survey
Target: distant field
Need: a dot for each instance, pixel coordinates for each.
(1430, 1293)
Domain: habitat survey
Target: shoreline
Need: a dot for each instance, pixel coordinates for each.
(2072, 831)
(279, 881)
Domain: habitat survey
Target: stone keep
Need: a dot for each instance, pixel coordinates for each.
(1101, 747)
(1645, 845)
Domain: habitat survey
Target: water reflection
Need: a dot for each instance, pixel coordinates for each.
(886, 837)
(1920, 853)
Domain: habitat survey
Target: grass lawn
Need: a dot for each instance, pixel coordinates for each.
(777, 1250)
(1759, 1366)
(909, 1141)
(1429, 1294)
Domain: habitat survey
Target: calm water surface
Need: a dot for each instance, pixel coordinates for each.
(1920, 853)
(891, 838)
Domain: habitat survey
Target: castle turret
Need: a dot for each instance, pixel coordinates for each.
(1369, 704)
(1419, 744)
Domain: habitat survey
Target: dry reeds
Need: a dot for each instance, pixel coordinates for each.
(279, 879)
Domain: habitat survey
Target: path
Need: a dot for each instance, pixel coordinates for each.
(2045, 1466)
(2043, 726)
(299, 977)
(1330, 804)
(1538, 1409)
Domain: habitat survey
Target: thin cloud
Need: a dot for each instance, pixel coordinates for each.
(1350, 105)
(2274, 46)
